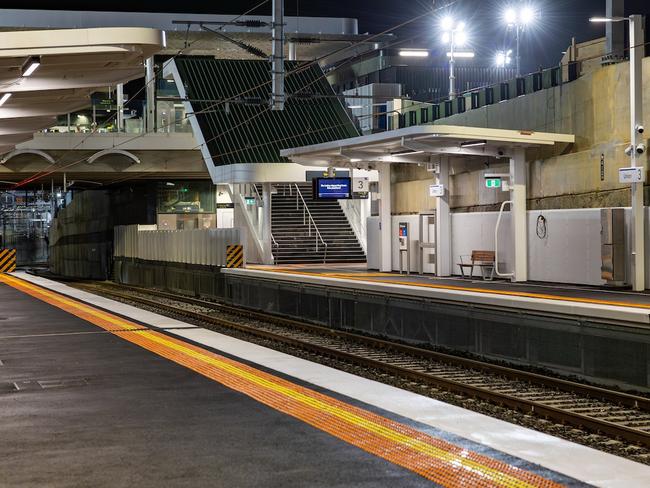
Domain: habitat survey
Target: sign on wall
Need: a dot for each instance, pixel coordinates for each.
(631, 175)
(436, 190)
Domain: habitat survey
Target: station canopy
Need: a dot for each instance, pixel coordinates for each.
(417, 144)
(46, 73)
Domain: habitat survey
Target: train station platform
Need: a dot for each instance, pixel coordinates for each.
(94, 392)
(592, 302)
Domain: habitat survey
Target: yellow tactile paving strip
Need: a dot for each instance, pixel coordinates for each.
(433, 458)
(394, 281)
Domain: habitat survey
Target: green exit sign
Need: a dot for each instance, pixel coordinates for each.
(493, 183)
(250, 200)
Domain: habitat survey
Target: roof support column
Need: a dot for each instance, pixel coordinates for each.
(518, 215)
(385, 219)
(637, 51)
(443, 222)
(150, 84)
(266, 223)
(120, 107)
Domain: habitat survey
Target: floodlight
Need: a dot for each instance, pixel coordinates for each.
(447, 23)
(527, 15)
(460, 26)
(461, 38)
(446, 38)
(510, 16)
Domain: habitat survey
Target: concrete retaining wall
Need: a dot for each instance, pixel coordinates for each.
(607, 353)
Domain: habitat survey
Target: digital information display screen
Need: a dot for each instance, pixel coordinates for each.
(333, 188)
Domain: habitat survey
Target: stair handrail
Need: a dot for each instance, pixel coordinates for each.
(305, 214)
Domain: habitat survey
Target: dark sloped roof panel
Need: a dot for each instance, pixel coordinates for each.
(231, 99)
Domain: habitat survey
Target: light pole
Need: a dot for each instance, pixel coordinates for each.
(637, 148)
(519, 19)
(453, 35)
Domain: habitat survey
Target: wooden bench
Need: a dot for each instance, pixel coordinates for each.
(480, 259)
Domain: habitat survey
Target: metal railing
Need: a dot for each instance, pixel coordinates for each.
(307, 219)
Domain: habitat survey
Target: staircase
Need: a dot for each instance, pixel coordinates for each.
(293, 244)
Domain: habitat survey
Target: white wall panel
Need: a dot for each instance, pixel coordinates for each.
(205, 246)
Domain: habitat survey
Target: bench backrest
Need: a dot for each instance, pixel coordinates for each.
(483, 256)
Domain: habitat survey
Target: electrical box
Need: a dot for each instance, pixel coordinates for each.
(612, 239)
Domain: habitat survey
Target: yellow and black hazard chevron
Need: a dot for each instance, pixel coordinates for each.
(7, 260)
(235, 256)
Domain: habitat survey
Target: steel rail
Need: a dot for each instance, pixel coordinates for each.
(519, 404)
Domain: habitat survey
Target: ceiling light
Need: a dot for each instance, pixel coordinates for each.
(4, 98)
(414, 53)
(30, 66)
(462, 54)
(607, 19)
(473, 143)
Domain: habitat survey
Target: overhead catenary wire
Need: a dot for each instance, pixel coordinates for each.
(37, 175)
(299, 69)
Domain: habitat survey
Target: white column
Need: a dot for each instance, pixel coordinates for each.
(266, 223)
(385, 220)
(292, 51)
(120, 107)
(150, 83)
(277, 69)
(637, 237)
(443, 222)
(518, 215)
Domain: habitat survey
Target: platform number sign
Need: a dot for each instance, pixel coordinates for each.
(360, 188)
(493, 182)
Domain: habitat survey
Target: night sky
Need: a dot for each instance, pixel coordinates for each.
(560, 19)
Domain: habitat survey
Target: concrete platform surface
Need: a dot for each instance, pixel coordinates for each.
(121, 402)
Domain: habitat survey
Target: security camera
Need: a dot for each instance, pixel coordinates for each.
(640, 149)
(640, 129)
(628, 150)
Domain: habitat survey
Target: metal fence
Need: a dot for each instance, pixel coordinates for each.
(206, 247)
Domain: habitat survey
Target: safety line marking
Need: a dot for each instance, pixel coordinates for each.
(432, 458)
(484, 291)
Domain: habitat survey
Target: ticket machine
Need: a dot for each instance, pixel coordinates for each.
(404, 252)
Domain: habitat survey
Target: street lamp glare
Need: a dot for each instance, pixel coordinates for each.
(447, 23)
(446, 38)
(461, 39)
(460, 26)
(527, 15)
(510, 16)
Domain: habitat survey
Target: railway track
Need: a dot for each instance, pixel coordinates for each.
(607, 412)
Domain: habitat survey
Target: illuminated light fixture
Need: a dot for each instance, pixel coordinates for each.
(462, 54)
(460, 38)
(446, 38)
(30, 66)
(527, 15)
(414, 53)
(473, 143)
(606, 19)
(355, 106)
(4, 98)
(355, 160)
(447, 23)
(503, 58)
(510, 16)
